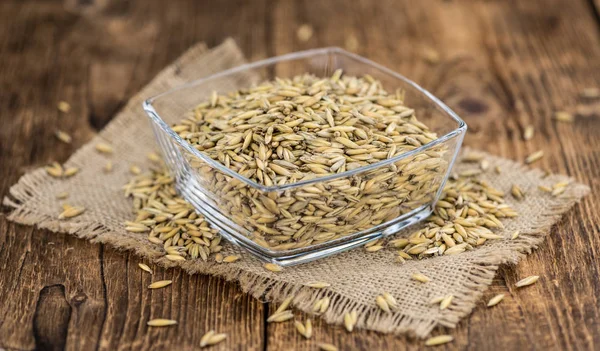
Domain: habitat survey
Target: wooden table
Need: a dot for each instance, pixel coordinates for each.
(503, 65)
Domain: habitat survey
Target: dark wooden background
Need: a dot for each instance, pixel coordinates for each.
(504, 65)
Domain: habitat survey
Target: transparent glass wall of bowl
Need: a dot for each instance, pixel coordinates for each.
(316, 217)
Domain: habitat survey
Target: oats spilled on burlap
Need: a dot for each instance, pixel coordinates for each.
(356, 277)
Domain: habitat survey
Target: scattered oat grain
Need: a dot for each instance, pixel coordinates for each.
(559, 188)
(63, 136)
(308, 327)
(206, 337)
(437, 300)
(563, 116)
(374, 248)
(350, 319)
(300, 328)
(515, 235)
(495, 300)
(145, 268)
(590, 93)
(63, 195)
(70, 212)
(430, 55)
(160, 284)
(446, 302)
(472, 156)
(484, 165)
(470, 172)
(63, 106)
(527, 281)
(528, 132)
(172, 257)
(231, 258)
(439, 340)
(211, 338)
(285, 304)
(382, 303)
(154, 157)
(391, 301)
(534, 157)
(351, 43)
(104, 148)
(70, 171)
(280, 316)
(160, 322)
(327, 347)
(171, 222)
(304, 32)
(135, 170)
(517, 192)
(214, 339)
(545, 188)
(55, 170)
(317, 285)
(325, 301)
(273, 267)
(420, 278)
(321, 305)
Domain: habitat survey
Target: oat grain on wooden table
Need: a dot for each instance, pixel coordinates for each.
(503, 65)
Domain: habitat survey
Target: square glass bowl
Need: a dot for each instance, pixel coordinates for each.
(299, 222)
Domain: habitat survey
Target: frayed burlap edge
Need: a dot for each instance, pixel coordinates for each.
(262, 287)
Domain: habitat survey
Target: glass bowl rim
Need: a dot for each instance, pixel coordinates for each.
(153, 114)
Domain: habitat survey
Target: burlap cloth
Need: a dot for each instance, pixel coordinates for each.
(356, 277)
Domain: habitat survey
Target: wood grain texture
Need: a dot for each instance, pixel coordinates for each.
(504, 65)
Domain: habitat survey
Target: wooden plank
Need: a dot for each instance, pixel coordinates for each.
(53, 284)
(200, 303)
(67, 293)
